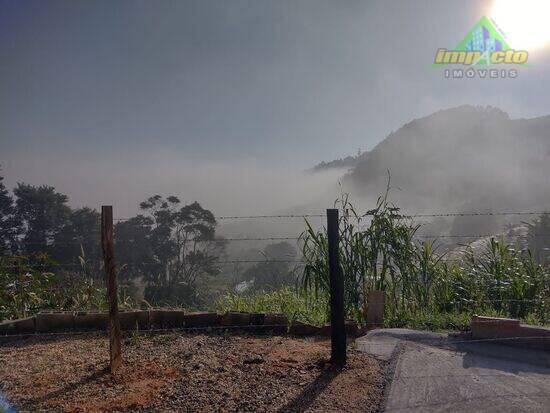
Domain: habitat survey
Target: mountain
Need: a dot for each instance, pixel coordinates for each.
(462, 159)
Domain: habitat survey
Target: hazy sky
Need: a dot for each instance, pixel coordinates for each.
(112, 100)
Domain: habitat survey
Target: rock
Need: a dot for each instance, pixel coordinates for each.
(255, 359)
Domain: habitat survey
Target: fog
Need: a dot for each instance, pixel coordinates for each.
(238, 187)
(465, 159)
(462, 159)
(230, 104)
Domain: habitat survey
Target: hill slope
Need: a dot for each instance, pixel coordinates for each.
(461, 159)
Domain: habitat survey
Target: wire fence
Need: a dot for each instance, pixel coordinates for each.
(224, 260)
(254, 243)
(443, 340)
(402, 215)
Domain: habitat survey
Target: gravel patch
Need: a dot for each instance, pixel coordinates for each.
(178, 372)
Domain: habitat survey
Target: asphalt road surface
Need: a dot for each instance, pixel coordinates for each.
(433, 372)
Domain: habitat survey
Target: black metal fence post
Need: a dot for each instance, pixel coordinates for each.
(337, 312)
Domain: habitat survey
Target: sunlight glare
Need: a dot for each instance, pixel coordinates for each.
(525, 23)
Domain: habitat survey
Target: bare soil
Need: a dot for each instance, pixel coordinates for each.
(177, 372)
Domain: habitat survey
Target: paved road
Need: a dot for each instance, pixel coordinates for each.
(436, 373)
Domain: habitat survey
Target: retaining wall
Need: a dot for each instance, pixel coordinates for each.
(154, 319)
(511, 332)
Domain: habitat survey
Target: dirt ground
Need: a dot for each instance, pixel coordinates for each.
(177, 372)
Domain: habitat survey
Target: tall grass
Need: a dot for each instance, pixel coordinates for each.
(378, 251)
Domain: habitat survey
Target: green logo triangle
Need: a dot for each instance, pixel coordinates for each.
(483, 30)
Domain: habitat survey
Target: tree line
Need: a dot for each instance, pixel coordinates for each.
(168, 245)
(168, 248)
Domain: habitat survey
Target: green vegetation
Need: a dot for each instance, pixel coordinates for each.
(165, 252)
(286, 300)
(378, 251)
(50, 258)
(27, 288)
(424, 289)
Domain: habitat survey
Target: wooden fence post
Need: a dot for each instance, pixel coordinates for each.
(107, 244)
(337, 312)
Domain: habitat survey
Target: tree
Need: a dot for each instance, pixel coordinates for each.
(43, 212)
(196, 245)
(161, 212)
(78, 240)
(134, 251)
(10, 225)
(175, 244)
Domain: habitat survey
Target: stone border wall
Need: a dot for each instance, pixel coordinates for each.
(164, 319)
(511, 331)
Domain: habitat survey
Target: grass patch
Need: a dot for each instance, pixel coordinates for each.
(294, 305)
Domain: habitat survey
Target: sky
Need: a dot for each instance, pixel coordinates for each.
(225, 102)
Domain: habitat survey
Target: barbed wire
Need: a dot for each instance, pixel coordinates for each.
(293, 216)
(477, 301)
(226, 217)
(191, 240)
(22, 266)
(451, 339)
(295, 238)
(153, 330)
(482, 236)
(402, 215)
(475, 214)
(432, 341)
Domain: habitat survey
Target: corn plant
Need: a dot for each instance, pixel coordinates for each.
(511, 281)
(375, 249)
(427, 275)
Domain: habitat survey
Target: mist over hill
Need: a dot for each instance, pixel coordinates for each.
(462, 159)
